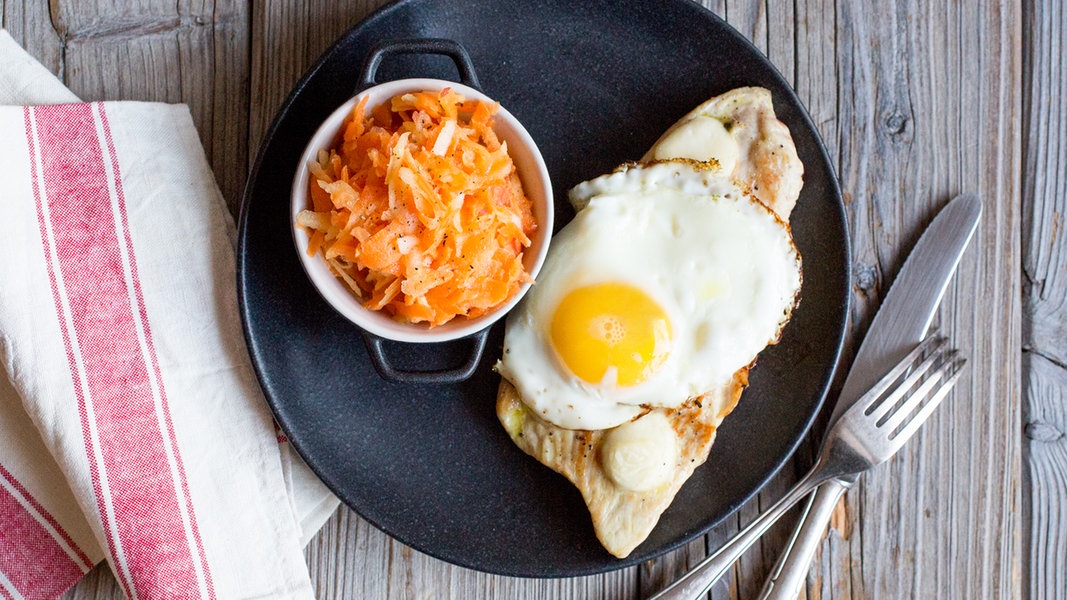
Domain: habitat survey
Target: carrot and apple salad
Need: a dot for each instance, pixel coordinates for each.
(419, 209)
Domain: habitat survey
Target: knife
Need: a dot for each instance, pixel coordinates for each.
(899, 325)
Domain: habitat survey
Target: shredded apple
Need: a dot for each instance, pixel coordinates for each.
(419, 209)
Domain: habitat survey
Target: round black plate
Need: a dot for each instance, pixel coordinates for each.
(595, 83)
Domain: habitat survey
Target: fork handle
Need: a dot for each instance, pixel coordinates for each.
(791, 570)
(700, 579)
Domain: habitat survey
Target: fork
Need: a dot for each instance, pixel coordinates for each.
(865, 435)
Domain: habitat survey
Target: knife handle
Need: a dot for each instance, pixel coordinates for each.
(790, 571)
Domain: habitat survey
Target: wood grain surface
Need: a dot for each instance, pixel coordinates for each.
(1044, 272)
(916, 102)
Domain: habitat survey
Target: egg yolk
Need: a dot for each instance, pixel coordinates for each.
(611, 333)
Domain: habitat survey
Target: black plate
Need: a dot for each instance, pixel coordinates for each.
(595, 83)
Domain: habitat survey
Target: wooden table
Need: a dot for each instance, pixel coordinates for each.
(916, 103)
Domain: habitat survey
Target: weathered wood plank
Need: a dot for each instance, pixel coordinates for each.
(940, 519)
(816, 83)
(1045, 389)
(1044, 263)
(774, 28)
(867, 164)
(352, 559)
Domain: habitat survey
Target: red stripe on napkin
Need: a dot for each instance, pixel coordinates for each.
(180, 466)
(141, 489)
(33, 558)
(82, 560)
(279, 434)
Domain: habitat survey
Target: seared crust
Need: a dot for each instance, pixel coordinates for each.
(770, 166)
(622, 518)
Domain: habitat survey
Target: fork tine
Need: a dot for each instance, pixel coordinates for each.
(871, 397)
(908, 406)
(889, 406)
(880, 407)
(897, 439)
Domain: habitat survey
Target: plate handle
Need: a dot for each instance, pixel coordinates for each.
(443, 46)
(376, 350)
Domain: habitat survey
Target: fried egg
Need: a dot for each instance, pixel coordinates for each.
(667, 282)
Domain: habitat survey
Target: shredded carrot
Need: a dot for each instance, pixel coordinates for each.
(419, 209)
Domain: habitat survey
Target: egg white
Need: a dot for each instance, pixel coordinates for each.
(721, 265)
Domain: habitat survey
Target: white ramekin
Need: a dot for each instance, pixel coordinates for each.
(535, 181)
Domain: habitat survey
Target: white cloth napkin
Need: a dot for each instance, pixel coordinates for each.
(131, 428)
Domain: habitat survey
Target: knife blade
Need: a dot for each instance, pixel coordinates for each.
(899, 325)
